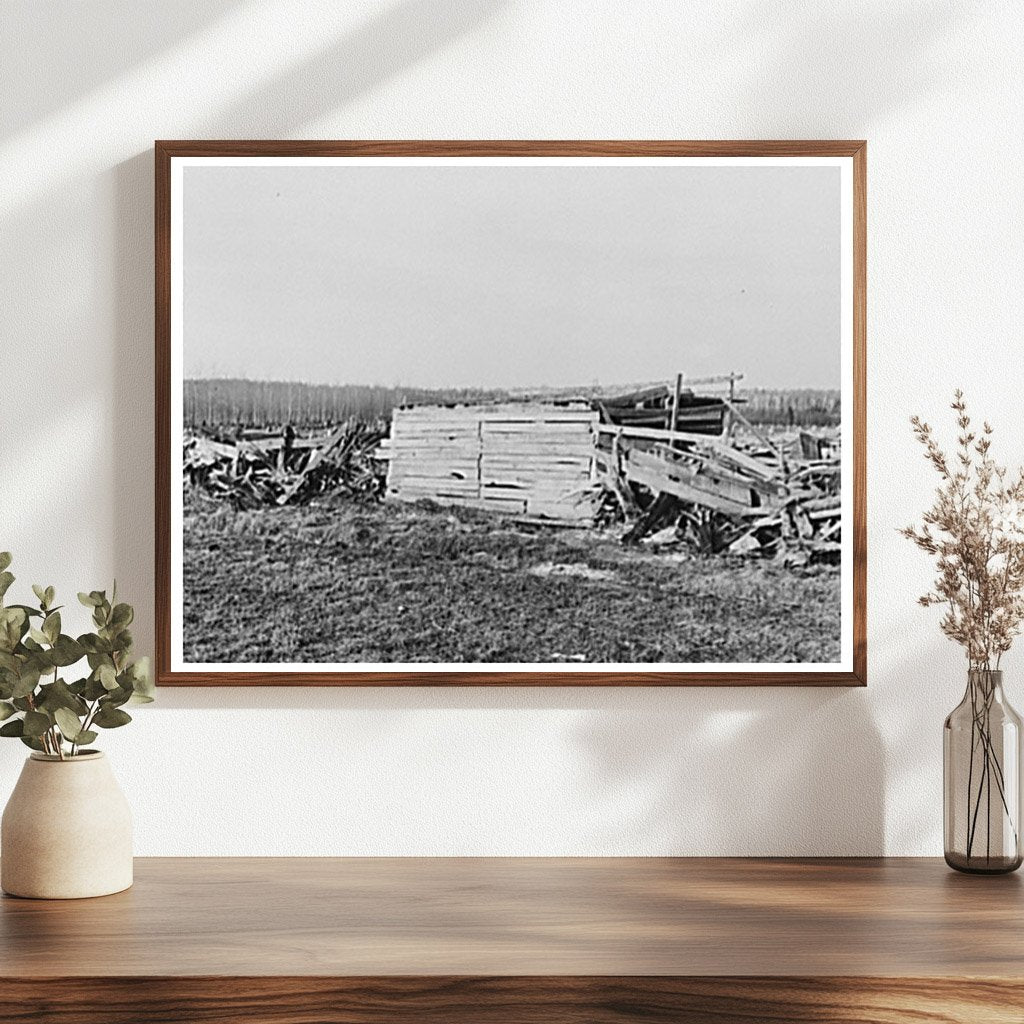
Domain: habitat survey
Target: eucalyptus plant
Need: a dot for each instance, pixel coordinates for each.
(37, 704)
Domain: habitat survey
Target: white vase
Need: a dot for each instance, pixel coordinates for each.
(66, 831)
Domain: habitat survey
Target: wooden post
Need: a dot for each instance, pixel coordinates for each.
(677, 395)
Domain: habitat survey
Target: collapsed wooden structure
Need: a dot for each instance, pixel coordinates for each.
(658, 457)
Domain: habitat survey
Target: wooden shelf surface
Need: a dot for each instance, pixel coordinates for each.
(373, 933)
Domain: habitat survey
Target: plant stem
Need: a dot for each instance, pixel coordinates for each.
(982, 698)
(58, 739)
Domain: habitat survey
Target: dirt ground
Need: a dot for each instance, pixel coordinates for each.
(345, 582)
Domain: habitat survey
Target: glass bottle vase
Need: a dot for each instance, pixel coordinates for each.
(981, 770)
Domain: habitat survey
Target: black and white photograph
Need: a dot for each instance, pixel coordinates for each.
(507, 414)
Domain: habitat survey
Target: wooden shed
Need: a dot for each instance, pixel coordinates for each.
(528, 458)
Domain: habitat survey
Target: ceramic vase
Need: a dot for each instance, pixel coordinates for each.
(66, 831)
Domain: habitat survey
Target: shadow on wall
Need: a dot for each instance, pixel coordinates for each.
(395, 39)
(48, 46)
(381, 48)
(740, 771)
(687, 771)
(828, 68)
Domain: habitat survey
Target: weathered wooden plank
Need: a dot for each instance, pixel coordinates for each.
(497, 416)
(459, 453)
(465, 426)
(435, 483)
(469, 446)
(502, 503)
(547, 459)
(710, 469)
(555, 489)
(660, 478)
(574, 447)
(414, 441)
(435, 489)
(431, 465)
(566, 471)
(434, 479)
(546, 429)
(524, 471)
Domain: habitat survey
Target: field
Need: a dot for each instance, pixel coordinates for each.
(351, 581)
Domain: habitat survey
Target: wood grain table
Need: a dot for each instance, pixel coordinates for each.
(501, 941)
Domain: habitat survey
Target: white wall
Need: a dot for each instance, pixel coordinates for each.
(937, 90)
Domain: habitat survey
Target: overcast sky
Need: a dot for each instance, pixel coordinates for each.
(446, 276)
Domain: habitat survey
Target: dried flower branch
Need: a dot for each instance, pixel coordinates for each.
(975, 531)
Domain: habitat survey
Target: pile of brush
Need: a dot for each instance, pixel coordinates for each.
(254, 468)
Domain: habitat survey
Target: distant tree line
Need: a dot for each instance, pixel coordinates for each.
(796, 407)
(251, 403)
(256, 403)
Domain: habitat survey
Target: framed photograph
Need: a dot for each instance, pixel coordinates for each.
(493, 413)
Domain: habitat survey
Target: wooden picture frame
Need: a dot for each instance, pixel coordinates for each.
(849, 156)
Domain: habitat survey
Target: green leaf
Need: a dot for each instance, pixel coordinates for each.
(115, 698)
(94, 644)
(13, 728)
(12, 627)
(31, 741)
(5, 560)
(142, 681)
(124, 640)
(6, 579)
(38, 635)
(107, 676)
(50, 595)
(69, 724)
(86, 736)
(51, 626)
(94, 689)
(6, 710)
(40, 593)
(109, 717)
(36, 723)
(59, 695)
(89, 600)
(28, 680)
(122, 616)
(67, 651)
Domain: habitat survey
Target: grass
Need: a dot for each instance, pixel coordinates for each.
(348, 582)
